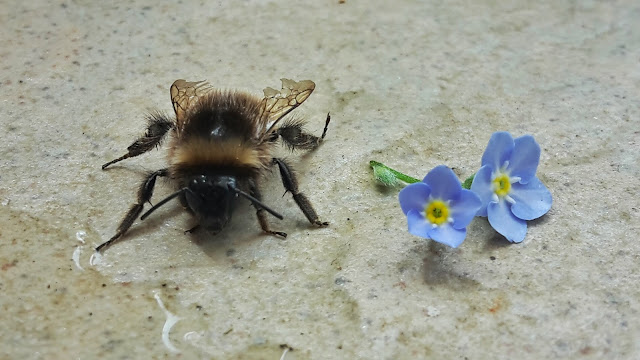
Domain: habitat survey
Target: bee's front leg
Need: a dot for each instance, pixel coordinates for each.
(144, 194)
(261, 213)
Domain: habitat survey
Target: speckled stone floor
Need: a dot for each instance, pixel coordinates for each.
(412, 84)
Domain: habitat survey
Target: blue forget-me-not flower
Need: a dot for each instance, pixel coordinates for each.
(508, 187)
(438, 208)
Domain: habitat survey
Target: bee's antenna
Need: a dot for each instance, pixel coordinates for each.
(255, 202)
(164, 201)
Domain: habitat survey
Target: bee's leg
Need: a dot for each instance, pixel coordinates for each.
(262, 214)
(158, 127)
(294, 137)
(291, 185)
(193, 229)
(144, 194)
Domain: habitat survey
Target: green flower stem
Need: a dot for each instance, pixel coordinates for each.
(467, 183)
(388, 176)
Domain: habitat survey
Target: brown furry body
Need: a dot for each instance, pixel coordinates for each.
(220, 135)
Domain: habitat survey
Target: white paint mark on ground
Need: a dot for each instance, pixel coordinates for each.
(76, 257)
(80, 235)
(171, 320)
(284, 353)
(95, 258)
(432, 311)
(192, 336)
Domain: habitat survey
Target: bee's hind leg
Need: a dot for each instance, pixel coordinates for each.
(158, 127)
(291, 185)
(144, 194)
(294, 137)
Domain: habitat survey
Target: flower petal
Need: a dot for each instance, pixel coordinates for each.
(532, 200)
(414, 197)
(463, 210)
(498, 150)
(444, 184)
(503, 221)
(483, 187)
(524, 158)
(446, 234)
(418, 225)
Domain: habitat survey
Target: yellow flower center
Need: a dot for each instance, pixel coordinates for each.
(502, 185)
(437, 212)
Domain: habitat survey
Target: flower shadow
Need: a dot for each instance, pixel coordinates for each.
(386, 189)
(541, 220)
(496, 242)
(438, 268)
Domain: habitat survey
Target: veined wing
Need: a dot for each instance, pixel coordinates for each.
(185, 94)
(276, 104)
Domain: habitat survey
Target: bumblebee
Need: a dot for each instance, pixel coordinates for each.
(220, 147)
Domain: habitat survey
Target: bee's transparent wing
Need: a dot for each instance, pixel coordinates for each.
(185, 94)
(276, 104)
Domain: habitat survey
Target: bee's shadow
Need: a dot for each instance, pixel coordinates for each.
(242, 228)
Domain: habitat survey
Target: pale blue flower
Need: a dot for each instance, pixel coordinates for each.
(508, 187)
(438, 208)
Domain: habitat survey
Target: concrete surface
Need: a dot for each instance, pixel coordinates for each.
(412, 84)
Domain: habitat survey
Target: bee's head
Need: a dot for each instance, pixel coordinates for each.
(211, 198)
